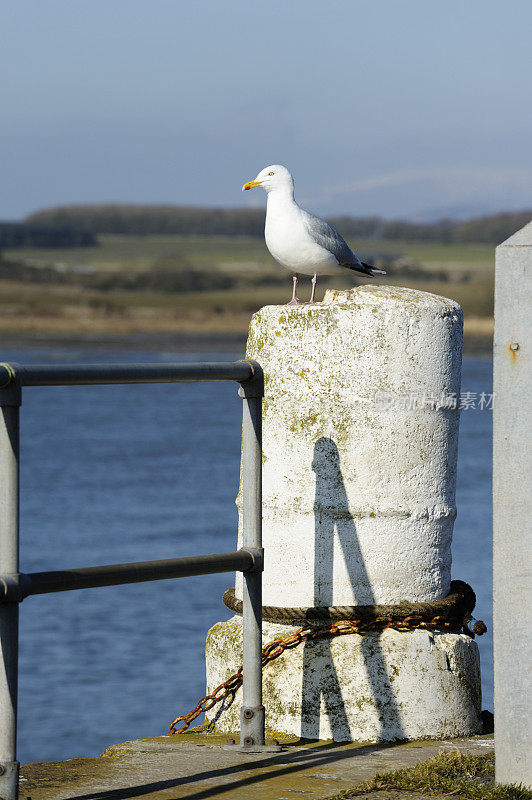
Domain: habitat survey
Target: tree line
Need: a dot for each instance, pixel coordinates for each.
(76, 226)
(45, 234)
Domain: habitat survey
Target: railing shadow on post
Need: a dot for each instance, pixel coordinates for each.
(320, 679)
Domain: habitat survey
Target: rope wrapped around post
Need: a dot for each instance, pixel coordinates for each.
(456, 608)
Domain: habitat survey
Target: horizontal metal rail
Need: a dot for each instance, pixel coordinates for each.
(97, 374)
(15, 587)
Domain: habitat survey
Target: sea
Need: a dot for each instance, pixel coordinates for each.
(130, 473)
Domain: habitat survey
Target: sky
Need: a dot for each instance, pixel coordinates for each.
(412, 109)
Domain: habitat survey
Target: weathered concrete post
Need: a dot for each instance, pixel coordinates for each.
(359, 471)
(512, 509)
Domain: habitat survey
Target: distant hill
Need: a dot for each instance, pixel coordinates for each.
(142, 220)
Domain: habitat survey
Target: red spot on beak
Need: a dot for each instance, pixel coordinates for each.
(247, 188)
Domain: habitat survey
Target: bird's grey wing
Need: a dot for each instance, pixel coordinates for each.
(329, 238)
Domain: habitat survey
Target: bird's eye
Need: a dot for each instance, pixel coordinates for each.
(271, 173)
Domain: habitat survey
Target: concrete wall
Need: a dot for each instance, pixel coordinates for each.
(512, 508)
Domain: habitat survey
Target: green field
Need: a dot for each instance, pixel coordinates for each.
(227, 252)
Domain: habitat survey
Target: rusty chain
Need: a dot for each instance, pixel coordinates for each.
(276, 648)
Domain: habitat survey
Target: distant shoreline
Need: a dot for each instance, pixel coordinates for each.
(217, 342)
(474, 344)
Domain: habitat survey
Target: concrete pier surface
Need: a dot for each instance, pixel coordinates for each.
(195, 766)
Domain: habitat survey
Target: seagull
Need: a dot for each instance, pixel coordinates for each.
(298, 240)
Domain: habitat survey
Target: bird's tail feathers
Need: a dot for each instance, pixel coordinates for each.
(373, 270)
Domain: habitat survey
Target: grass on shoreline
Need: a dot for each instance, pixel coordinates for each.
(72, 311)
(455, 774)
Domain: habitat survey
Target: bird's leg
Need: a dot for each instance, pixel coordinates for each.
(295, 300)
(313, 292)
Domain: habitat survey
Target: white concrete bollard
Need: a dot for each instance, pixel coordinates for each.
(359, 446)
(360, 440)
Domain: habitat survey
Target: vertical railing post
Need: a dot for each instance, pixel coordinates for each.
(10, 399)
(252, 713)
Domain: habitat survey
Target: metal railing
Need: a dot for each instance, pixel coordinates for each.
(15, 586)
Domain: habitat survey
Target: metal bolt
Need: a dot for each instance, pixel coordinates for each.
(248, 713)
(514, 346)
(249, 740)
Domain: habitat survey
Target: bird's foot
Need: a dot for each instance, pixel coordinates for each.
(295, 299)
(295, 302)
(312, 300)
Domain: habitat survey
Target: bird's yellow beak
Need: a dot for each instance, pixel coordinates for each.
(251, 185)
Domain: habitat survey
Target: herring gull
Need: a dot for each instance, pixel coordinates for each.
(298, 240)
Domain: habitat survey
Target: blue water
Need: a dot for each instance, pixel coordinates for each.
(127, 473)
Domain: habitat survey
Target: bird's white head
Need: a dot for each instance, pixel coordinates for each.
(271, 179)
